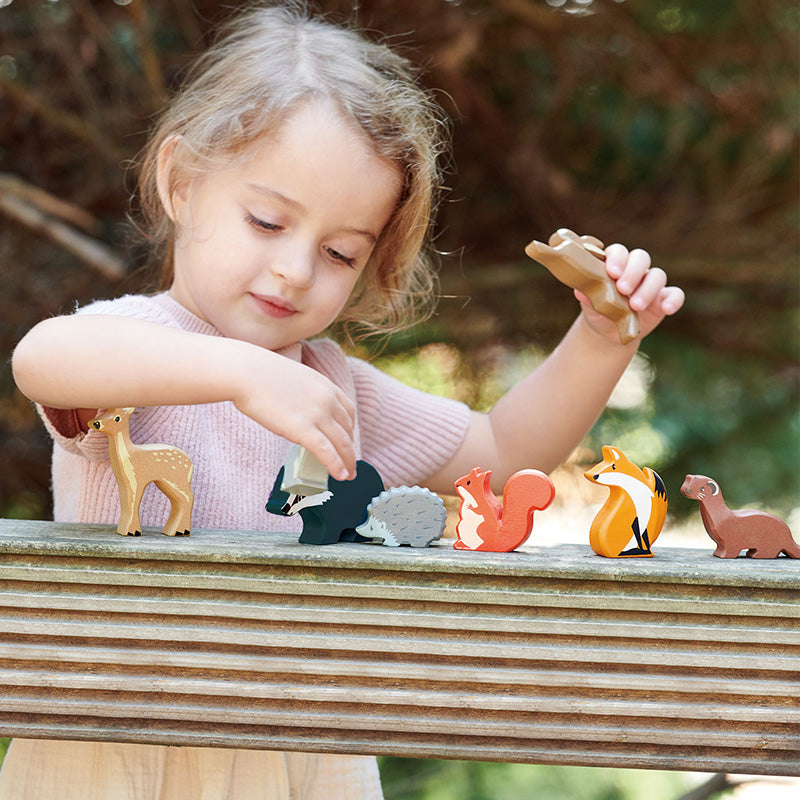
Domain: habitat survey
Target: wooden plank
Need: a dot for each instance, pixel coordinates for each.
(756, 632)
(551, 655)
(419, 670)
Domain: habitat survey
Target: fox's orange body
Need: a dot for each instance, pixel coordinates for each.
(634, 512)
(485, 524)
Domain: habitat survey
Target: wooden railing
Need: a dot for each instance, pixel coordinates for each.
(552, 655)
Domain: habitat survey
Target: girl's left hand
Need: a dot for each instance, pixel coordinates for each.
(645, 287)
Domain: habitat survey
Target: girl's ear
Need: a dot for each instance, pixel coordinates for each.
(172, 193)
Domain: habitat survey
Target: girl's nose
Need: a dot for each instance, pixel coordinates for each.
(295, 266)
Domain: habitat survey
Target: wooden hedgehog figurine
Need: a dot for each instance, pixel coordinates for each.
(136, 465)
(634, 512)
(409, 515)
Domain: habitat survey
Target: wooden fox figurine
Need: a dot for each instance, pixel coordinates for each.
(635, 510)
(485, 524)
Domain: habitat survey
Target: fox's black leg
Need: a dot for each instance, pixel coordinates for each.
(636, 533)
(642, 539)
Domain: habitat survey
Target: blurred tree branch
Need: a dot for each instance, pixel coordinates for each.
(151, 63)
(60, 119)
(43, 213)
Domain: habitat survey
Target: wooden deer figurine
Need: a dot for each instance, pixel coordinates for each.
(762, 535)
(578, 262)
(136, 465)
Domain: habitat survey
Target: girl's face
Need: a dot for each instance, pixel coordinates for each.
(268, 250)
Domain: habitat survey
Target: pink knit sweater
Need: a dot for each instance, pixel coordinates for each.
(405, 434)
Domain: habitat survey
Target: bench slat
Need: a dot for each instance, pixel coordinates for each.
(550, 655)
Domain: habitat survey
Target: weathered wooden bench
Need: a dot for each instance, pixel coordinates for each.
(552, 655)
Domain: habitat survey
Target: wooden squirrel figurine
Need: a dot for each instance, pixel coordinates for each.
(485, 524)
(579, 262)
(635, 510)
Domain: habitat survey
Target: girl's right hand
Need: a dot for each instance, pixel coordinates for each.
(96, 361)
(303, 406)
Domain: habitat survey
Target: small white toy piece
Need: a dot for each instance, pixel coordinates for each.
(409, 515)
(303, 473)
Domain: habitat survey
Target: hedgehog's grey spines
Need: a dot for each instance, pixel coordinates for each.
(409, 515)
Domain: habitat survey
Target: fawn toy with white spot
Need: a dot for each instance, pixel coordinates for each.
(136, 465)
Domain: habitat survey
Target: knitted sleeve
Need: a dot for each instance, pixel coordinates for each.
(62, 424)
(406, 434)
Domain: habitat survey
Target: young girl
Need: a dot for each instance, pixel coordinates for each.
(291, 185)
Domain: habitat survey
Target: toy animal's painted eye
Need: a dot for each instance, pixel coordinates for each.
(117, 419)
(613, 466)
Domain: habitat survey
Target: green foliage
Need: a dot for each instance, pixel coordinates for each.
(728, 416)
(409, 779)
(732, 417)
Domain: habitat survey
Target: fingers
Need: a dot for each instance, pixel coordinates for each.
(334, 448)
(671, 300)
(329, 436)
(645, 286)
(335, 435)
(303, 406)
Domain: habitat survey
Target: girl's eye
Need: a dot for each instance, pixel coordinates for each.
(260, 224)
(337, 256)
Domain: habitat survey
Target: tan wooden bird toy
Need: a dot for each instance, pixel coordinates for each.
(136, 465)
(579, 262)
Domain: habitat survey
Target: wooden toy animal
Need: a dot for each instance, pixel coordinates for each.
(762, 535)
(578, 261)
(333, 515)
(635, 510)
(485, 524)
(409, 515)
(136, 465)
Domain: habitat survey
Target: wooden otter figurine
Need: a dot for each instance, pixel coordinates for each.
(760, 534)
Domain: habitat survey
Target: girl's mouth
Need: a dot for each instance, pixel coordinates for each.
(273, 306)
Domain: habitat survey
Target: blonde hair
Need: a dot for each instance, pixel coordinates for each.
(267, 61)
